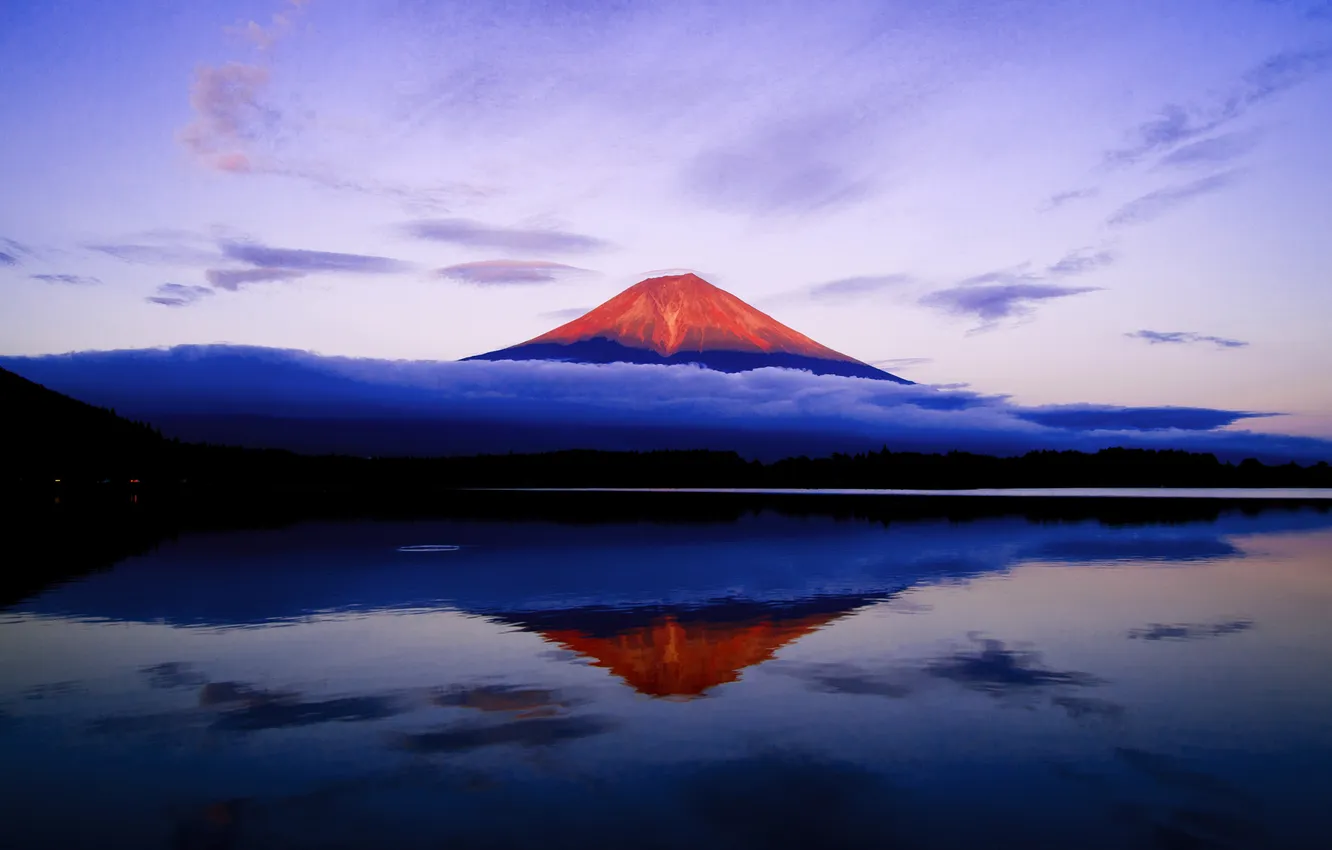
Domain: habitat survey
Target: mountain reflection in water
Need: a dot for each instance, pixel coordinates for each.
(765, 681)
(683, 653)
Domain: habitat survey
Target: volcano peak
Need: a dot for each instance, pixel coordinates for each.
(682, 318)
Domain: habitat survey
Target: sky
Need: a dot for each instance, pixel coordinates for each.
(1060, 201)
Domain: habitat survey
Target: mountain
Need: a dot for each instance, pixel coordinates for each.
(684, 319)
(46, 434)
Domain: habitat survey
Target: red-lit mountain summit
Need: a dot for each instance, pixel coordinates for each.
(684, 319)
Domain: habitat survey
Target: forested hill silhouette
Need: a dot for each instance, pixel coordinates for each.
(49, 436)
(47, 432)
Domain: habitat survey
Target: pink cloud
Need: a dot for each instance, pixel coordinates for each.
(229, 115)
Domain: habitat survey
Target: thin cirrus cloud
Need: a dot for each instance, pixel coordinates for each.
(264, 36)
(1176, 124)
(1185, 338)
(1059, 199)
(508, 272)
(147, 253)
(236, 127)
(67, 279)
(992, 302)
(1153, 205)
(179, 295)
(1013, 293)
(298, 259)
(474, 234)
(233, 279)
(269, 264)
(1082, 262)
(794, 165)
(11, 250)
(862, 285)
(229, 115)
(1214, 151)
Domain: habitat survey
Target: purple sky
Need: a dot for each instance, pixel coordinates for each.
(1114, 202)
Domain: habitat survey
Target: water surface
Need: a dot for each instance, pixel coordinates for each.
(767, 681)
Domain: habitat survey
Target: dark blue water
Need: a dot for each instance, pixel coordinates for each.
(792, 682)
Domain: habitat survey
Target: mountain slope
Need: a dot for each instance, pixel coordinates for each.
(45, 434)
(684, 319)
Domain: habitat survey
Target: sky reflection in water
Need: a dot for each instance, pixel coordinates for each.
(771, 682)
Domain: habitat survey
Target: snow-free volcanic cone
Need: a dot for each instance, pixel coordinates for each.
(684, 319)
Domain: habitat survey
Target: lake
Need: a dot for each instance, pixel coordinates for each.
(753, 679)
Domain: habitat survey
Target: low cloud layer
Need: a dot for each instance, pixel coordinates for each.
(1185, 338)
(570, 399)
(508, 272)
(474, 234)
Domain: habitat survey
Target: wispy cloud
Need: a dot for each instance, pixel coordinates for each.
(1153, 205)
(1016, 291)
(1059, 199)
(474, 234)
(157, 254)
(1175, 124)
(267, 264)
(238, 128)
(1185, 338)
(792, 165)
(508, 272)
(297, 259)
(1082, 262)
(1218, 150)
(991, 302)
(178, 294)
(230, 116)
(11, 250)
(233, 279)
(67, 279)
(852, 286)
(264, 36)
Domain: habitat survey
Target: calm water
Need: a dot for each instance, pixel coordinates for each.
(794, 682)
